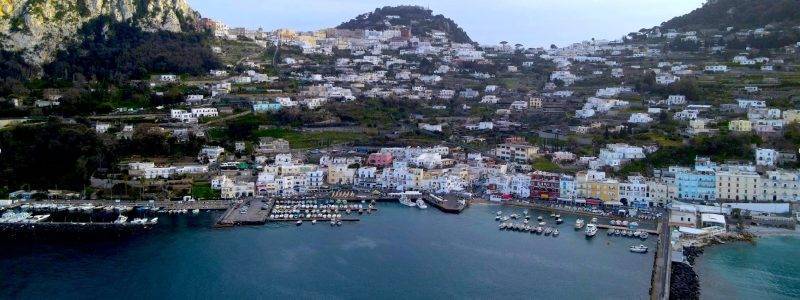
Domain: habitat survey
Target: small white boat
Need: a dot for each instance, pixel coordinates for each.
(539, 218)
(154, 220)
(579, 224)
(639, 249)
(121, 219)
(421, 204)
(314, 222)
(559, 221)
(299, 222)
(555, 232)
(591, 230)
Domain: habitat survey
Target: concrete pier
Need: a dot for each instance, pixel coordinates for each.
(250, 212)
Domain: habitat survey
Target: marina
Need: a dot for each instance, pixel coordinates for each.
(276, 259)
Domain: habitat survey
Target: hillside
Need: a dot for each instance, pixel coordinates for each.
(38, 28)
(718, 14)
(421, 21)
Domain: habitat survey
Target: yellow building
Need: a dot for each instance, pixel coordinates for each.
(791, 116)
(286, 34)
(341, 174)
(595, 185)
(740, 126)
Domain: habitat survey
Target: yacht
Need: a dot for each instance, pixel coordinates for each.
(639, 249)
(579, 224)
(591, 230)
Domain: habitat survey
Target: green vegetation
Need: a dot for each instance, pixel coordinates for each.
(119, 51)
(543, 164)
(201, 190)
(419, 19)
(306, 140)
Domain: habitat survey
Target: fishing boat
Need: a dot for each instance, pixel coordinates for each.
(639, 249)
(579, 224)
(591, 230)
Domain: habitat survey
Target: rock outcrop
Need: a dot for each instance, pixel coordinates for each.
(39, 27)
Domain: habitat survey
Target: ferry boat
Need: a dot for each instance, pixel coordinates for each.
(579, 224)
(591, 230)
(639, 249)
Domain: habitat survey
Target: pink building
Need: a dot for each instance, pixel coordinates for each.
(380, 159)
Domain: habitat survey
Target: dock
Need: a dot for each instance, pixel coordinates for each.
(662, 263)
(164, 205)
(447, 203)
(250, 212)
(605, 226)
(68, 229)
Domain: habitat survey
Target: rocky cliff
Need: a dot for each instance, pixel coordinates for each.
(39, 27)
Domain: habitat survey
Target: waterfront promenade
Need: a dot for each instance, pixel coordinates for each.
(164, 205)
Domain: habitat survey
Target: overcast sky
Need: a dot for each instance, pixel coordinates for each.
(530, 22)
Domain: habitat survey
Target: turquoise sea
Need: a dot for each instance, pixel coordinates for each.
(398, 253)
(770, 269)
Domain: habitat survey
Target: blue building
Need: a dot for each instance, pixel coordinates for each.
(698, 183)
(265, 106)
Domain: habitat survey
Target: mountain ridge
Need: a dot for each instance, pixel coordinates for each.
(39, 28)
(420, 20)
(715, 14)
